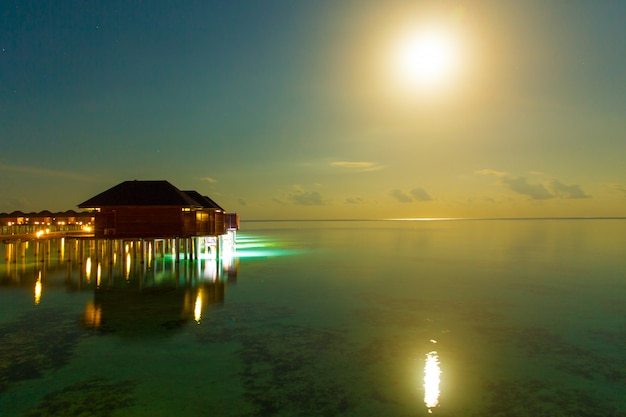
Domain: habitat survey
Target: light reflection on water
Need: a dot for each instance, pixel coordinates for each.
(197, 311)
(432, 379)
(528, 319)
(38, 289)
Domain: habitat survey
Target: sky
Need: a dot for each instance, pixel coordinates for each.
(319, 109)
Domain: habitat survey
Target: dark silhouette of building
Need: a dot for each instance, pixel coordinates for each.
(156, 209)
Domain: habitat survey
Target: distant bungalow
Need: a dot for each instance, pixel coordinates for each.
(157, 209)
(24, 224)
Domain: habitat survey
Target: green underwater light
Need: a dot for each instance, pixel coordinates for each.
(248, 246)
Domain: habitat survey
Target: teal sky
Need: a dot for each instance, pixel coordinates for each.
(285, 109)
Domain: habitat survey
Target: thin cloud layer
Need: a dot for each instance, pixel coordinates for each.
(46, 173)
(419, 194)
(521, 185)
(400, 196)
(567, 191)
(536, 190)
(307, 198)
(354, 200)
(357, 166)
(416, 194)
(619, 187)
(279, 201)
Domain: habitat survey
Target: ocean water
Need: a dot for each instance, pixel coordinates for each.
(456, 318)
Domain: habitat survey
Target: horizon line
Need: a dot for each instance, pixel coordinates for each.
(436, 219)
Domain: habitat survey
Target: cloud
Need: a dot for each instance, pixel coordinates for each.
(307, 198)
(209, 180)
(419, 194)
(25, 169)
(568, 191)
(619, 187)
(354, 200)
(358, 166)
(491, 172)
(416, 194)
(400, 196)
(279, 201)
(536, 191)
(14, 204)
(521, 185)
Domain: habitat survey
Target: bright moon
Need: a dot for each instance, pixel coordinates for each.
(424, 59)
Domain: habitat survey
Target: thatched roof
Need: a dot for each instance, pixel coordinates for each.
(203, 200)
(148, 193)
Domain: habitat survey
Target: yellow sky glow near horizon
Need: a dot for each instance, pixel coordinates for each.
(365, 109)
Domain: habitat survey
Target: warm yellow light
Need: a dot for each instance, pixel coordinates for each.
(197, 310)
(88, 268)
(425, 58)
(38, 289)
(128, 264)
(93, 315)
(432, 379)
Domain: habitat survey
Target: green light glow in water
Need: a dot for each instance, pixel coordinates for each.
(258, 247)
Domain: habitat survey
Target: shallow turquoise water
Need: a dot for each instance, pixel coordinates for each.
(504, 318)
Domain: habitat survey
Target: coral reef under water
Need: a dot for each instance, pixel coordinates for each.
(288, 369)
(40, 341)
(537, 398)
(94, 398)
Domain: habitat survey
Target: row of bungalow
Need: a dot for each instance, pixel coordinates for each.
(18, 222)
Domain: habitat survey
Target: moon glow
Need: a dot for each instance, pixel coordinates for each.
(424, 59)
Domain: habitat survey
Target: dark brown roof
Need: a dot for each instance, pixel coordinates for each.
(141, 193)
(203, 200)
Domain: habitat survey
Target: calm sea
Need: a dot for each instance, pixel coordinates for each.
(382, 318)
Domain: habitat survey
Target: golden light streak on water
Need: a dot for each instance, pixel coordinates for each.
(93, 315)
(88, 269)
(432, 379)
(197, 310)
(99, 275)
(128, 259)
(38, 289)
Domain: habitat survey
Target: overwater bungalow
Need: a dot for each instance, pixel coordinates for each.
(157, 209)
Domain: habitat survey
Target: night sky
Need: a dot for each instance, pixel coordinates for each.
(296, 109)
